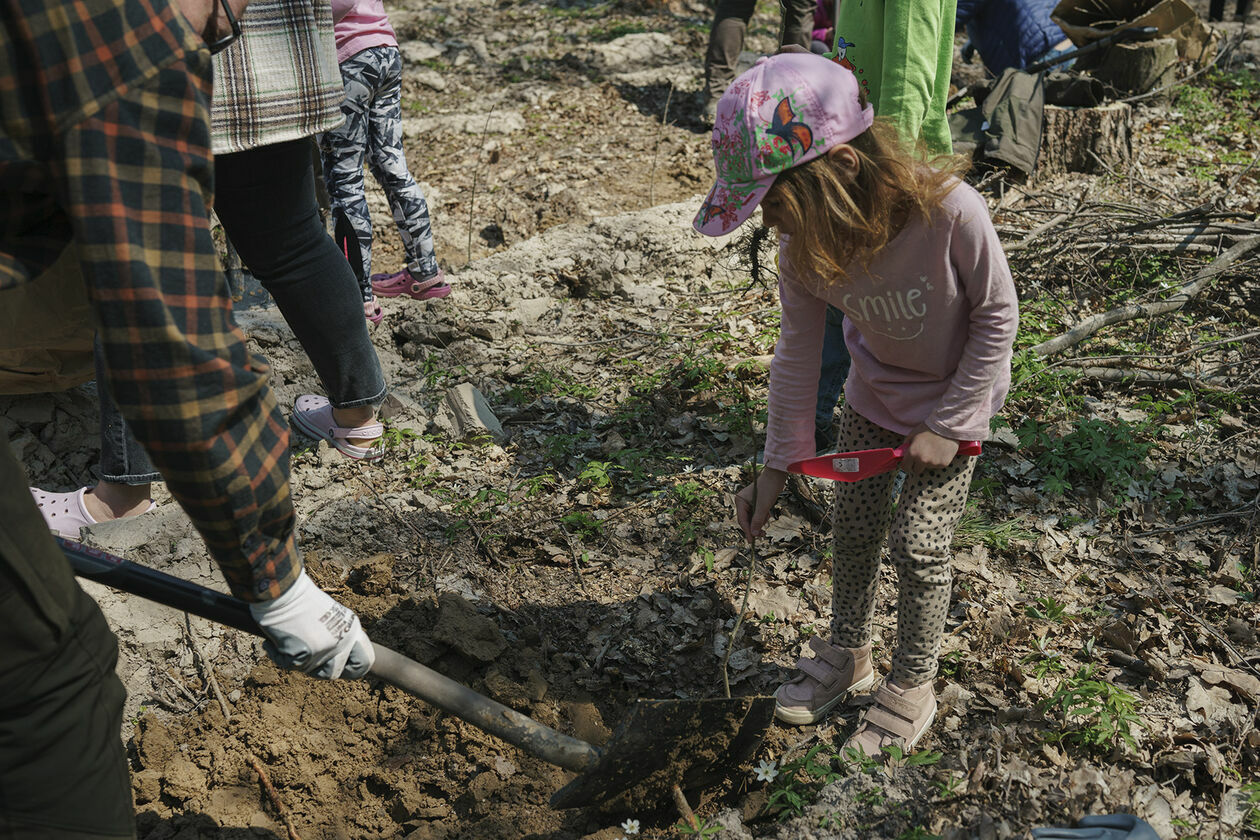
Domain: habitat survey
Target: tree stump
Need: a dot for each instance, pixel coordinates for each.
(1070, 135)
(1137, 68)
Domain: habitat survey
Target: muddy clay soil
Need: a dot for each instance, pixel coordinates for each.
(576, 551)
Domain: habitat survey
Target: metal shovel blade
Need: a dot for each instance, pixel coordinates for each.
(662, 743)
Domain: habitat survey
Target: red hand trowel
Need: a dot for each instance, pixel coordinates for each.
(855, 466)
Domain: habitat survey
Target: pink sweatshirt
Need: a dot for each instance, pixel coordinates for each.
(930, 327)
(359, 24)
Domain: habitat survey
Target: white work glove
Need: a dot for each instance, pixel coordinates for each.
(310, 632)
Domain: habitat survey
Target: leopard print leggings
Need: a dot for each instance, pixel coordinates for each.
(922, 528)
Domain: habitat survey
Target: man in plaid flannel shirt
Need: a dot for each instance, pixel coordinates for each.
(105, 148)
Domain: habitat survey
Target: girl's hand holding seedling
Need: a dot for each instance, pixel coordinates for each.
(926, 450)
(767, 489)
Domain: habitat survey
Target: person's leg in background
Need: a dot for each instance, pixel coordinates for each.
(265, 198)
(831, 377)
(63, 772)
(343, 150)
(126, 472)
(126, 475)
(389, 166)
(797, 22)
(726, 42)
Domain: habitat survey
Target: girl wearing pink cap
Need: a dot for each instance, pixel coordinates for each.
(907, 251)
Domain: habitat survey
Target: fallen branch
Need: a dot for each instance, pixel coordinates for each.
(1133, 311)
(1138, 376)
(1087, 361)
(273, 795)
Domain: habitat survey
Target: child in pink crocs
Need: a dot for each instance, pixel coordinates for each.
(908, 253)
(371, 68)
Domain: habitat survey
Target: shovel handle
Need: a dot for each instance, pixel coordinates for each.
(461, 701)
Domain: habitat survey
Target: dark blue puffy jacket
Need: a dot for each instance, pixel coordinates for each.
(1009, 33)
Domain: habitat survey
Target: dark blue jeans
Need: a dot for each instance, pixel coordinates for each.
(123, 459)
(265, 199)
(831, 377)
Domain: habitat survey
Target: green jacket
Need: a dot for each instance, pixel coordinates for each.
(902, 52)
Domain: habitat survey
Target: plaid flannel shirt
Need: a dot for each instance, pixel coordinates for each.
(281, 80)
(105, 147)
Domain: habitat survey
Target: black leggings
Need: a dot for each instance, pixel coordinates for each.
(265, 199)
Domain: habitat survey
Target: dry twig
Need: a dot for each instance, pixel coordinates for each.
(684, 808)
(472, 198)
(273, 795)
(657, 147)
(1138, 376)
(207, 669)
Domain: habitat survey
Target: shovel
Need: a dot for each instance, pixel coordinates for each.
(662, 744)
(855, 466)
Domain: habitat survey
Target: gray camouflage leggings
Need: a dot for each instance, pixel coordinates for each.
(373, 130)
(919, 542)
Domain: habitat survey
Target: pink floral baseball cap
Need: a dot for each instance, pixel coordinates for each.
(786, 110)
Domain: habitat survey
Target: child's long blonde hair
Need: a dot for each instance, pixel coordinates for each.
(838, 218)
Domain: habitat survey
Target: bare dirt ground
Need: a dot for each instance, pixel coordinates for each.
(1101, 652)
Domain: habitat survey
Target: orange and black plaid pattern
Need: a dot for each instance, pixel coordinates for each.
(105, 146)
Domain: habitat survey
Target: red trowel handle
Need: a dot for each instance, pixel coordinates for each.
(855, 466)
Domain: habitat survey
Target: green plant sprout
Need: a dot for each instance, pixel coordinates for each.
(864, 763)
(899, 758)
(918, 832)
(1094, 453)
(1046, 609)
(704, 829)
(800, 779)
(582, 524)
(1252, 818)
(950, 785)
(1094, 713)
(1045, 661)
(596, 474)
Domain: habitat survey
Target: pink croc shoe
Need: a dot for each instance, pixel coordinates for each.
(312, 415)
(405, 283)
(65, 513)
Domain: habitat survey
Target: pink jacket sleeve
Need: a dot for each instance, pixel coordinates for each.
(980, 263)
(794, 372)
